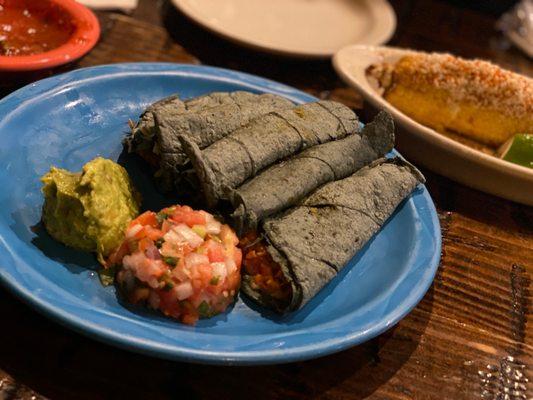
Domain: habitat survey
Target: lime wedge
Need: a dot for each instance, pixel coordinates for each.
(519, 150)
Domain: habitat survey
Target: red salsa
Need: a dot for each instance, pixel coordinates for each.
(32, 27)
(267, 276)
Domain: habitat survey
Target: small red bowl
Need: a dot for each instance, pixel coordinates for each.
(83, 38)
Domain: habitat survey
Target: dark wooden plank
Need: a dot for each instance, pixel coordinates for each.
(129, 40)
(469, 338)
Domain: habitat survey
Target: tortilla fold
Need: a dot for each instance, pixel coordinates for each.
(204, 119)
(227, 163)
(285, 184)
(313, 241)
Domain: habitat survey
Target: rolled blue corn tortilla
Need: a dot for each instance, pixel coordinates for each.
(143, 131)
(285, 184)
(206, 125)
(227, 163)
(296, 253)
(204, 119)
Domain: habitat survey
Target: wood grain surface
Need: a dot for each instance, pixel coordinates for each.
(469, 338)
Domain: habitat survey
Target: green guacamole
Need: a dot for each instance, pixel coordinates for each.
(89, 210)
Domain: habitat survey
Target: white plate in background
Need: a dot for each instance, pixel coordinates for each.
(427, 147)
(303, 28)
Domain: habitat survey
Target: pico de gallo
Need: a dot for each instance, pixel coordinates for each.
(180, 261)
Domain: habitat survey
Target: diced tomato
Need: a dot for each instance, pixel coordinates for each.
(152, 233)
(233, 281)
(117, 256)
(146, 218)
(205, 273)
(266, 273)
(168, 303)
(215, 289)
(144, 244)
(228, 237)
(140, 234)
(188, 216)
(215, 251)
(197, 284)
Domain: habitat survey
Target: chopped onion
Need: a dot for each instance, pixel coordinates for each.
(181, 274)
(194, 259)
(186, 234)
(230, 266)
(219, 269)
(135, 229)
(153, 283)
(152, 252)
(144, 269)
(183, 290)
(212, 226)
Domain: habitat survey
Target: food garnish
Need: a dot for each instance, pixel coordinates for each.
(519, 150)
(166, 264)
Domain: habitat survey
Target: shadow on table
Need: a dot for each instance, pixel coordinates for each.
(58, 363)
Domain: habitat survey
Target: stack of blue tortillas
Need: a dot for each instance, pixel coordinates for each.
(204, 119)
(307, 178)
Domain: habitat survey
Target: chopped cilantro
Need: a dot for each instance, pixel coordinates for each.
(159, 242)
(172, 261)
(214, 280)
(168, 286)
(164, 277)
(161, 216)
(203, 309)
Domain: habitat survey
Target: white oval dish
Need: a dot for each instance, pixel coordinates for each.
(428, 147)
(301, 28)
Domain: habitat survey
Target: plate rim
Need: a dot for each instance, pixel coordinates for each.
(108, 336)
(382, 8)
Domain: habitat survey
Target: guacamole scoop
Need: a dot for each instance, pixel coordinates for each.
(89, 210)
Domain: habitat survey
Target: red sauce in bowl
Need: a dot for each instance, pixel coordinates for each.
(32, 27)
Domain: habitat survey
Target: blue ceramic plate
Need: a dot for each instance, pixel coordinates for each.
(69, 119)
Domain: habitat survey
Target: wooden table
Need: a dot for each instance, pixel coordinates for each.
(469, 338)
